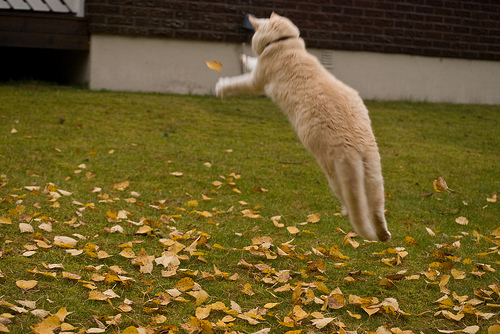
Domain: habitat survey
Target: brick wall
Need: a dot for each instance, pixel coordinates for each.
(439, 28)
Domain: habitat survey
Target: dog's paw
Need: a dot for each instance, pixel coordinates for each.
(243, 59)
(220, 87)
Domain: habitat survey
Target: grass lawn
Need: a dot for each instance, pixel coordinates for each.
(150, 213)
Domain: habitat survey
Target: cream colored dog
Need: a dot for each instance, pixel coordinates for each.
(330, 118)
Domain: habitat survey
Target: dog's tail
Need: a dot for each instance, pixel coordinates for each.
(363, 195)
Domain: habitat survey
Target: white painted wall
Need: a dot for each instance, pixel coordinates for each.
(176, 66)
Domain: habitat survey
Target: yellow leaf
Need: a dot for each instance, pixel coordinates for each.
(314, 218)
(103, 255)
(26, 285)
(440, 185)
(458, 274)
(248, 213)
(218, 246)
(411, 241)
(293, 230)
(317, 265)
(64, 242)
(335, 300)
(271, 305)
(495, 329)
(202, 312)
(65, 327)
(145, 229)
(447, 314)
(201, 296)
(386, 282)
(62, 313)
(205, 214)
(287, 321)
(442, 284)
(445, 302)
(97, 295)
(493, 198)
(356, 316)
(298, 313)
(185, 284)
(130, 330)
(335, 252)
(47, 326)
(121, 186)
(247, 289)
(65, 274)
(196, 325)
(214, 65)
(321, 287)
(127, 253)
(192, 203)
(158, 319)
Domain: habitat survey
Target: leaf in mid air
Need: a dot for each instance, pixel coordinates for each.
(214, 65)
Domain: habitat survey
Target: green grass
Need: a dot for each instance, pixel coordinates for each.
(143, 138)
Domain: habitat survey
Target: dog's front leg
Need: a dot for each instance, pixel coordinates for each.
(249, 63)
(241, 84)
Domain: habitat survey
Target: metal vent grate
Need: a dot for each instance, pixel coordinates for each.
(327, 59)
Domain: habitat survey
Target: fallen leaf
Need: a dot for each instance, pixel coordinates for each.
(410, 241)
(440, 185)
(121, 186)
(97, 295)
(292, 229)
(321, 323)
(64, 242)
(248, 213)
(471, 329)
(247, 289)
(26, 228)
(314, 218)
(462, 221)
(431, 232)
(458, 274)
(356, 316)
(185, 284)
(26, 285)
(493, 198)
(495, 329)
(335, 300)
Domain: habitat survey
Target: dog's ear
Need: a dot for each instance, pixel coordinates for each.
(256, 23)
(274, 15)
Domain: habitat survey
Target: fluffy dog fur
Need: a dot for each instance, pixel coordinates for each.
(330, 118)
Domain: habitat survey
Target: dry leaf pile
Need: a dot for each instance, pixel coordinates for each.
(286, 298)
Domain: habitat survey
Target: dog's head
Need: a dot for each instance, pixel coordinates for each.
(271, 30)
